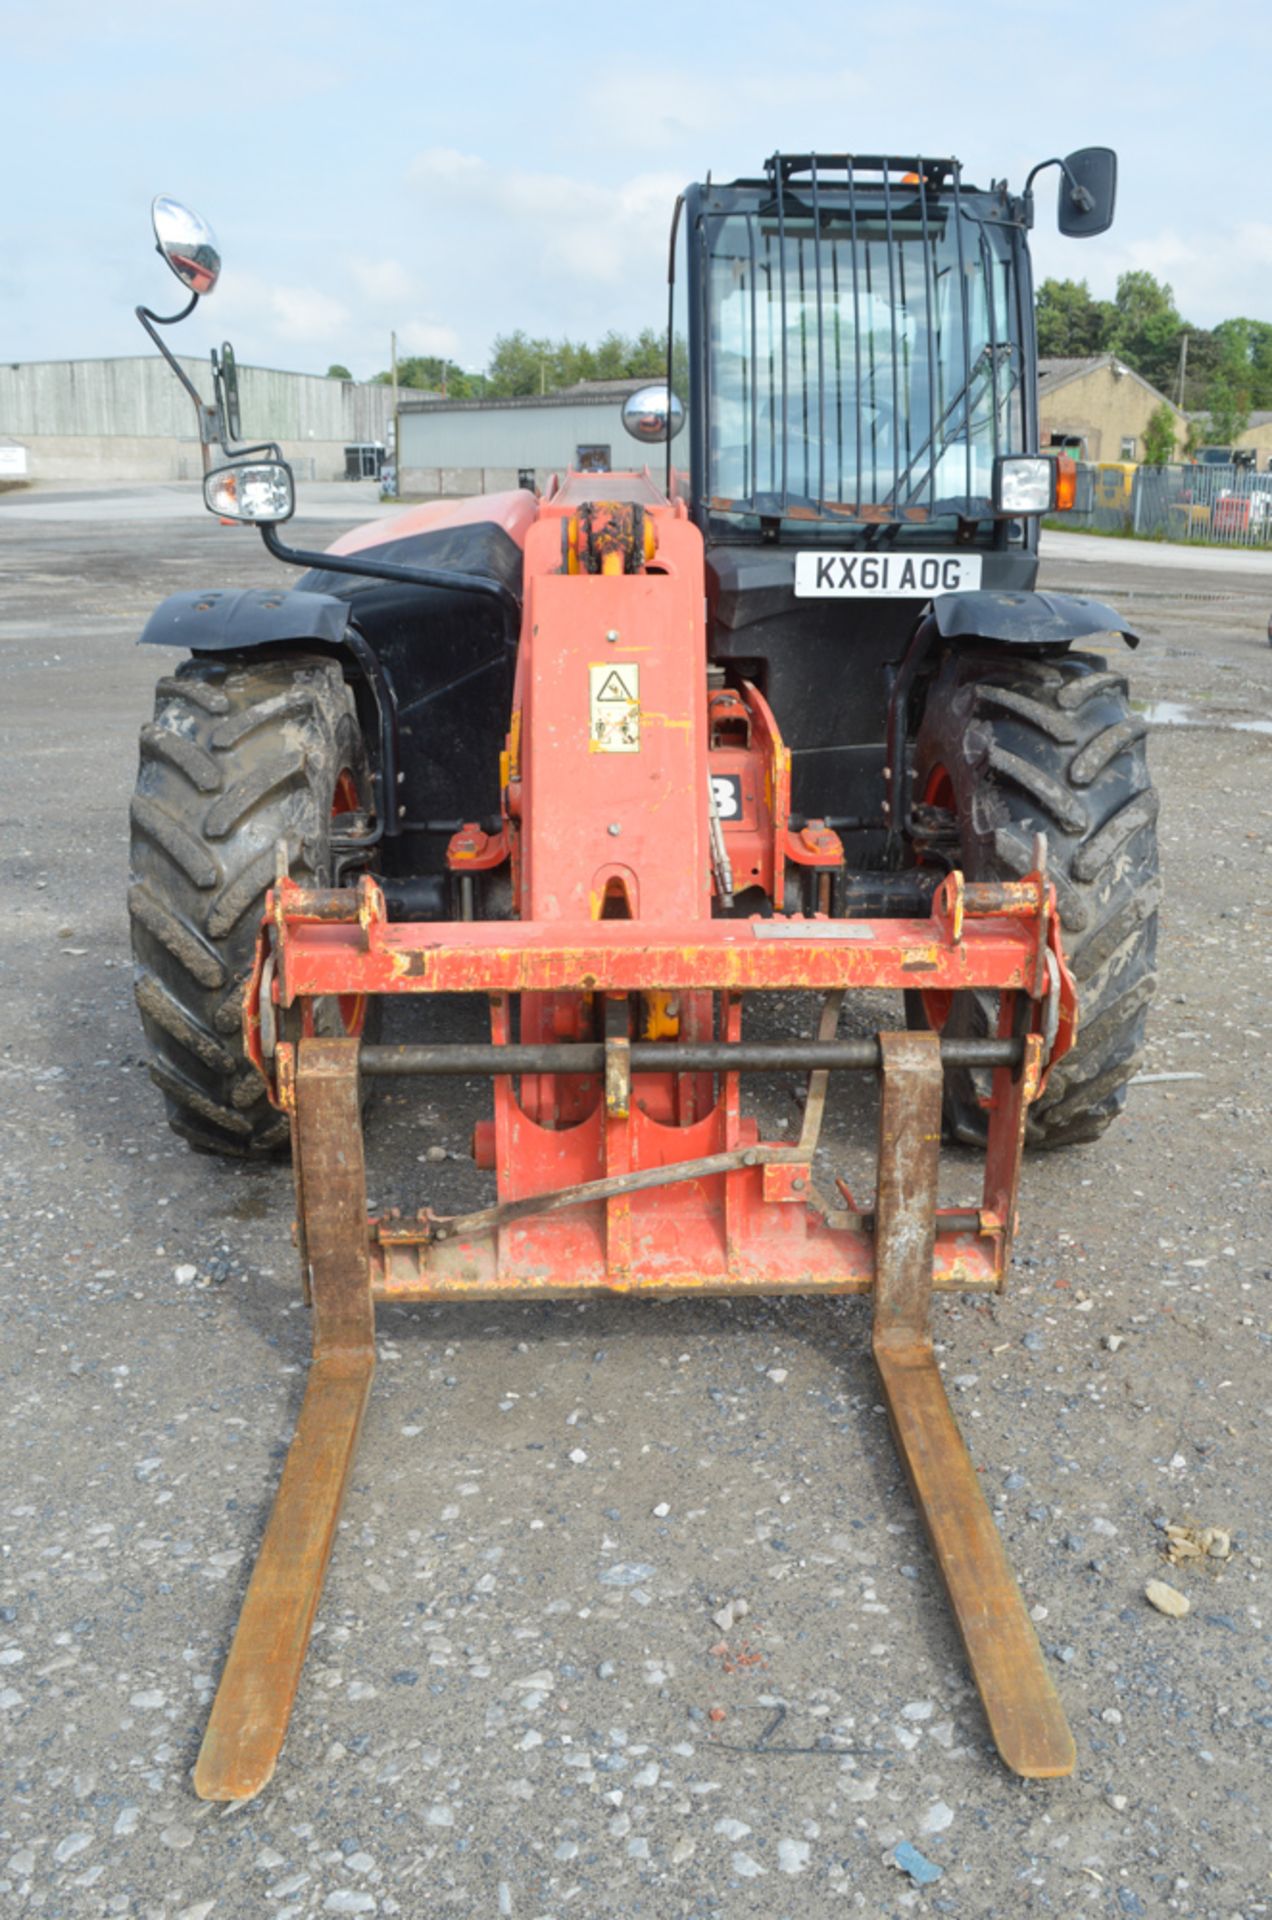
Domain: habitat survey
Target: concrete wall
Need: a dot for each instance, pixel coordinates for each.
(437, 483)
(124, 457)
(1103, 408)
(130, 419)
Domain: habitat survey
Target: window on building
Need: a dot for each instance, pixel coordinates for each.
(1128, 447)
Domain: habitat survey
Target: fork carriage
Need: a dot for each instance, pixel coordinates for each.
(658, 1183)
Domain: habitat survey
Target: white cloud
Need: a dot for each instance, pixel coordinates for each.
(447, 163)
(427, 336)
(544, 222)
(304, 314)
(1219, 273)
(384, 280)
(1163, 255)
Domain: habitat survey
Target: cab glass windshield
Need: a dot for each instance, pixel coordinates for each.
(864, 367)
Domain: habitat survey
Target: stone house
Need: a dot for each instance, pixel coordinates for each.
(1098, 409)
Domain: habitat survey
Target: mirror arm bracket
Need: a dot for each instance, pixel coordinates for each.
(207, 416)
(167, 319)
(1081, 196)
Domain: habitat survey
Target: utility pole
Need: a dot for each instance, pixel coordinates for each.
(393, 403)
(1183, 367)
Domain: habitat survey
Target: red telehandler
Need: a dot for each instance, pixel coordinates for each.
(788, 717)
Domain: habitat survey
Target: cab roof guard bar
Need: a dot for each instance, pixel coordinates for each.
(786, 165)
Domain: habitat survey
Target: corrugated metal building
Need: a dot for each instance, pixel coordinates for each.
(128, 419)
(483, 446)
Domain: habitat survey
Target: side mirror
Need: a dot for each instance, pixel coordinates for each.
(1088, 192)
(187, 243)
(652, 414)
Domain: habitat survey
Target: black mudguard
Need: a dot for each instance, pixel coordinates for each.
(1026, 619)
(439, 667)
(239, 619)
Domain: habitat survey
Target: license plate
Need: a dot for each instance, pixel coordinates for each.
(884, 576)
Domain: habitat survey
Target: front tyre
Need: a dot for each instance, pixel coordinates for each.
(1014, 745)
(241, 754)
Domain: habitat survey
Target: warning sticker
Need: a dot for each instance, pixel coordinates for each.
(614, 708)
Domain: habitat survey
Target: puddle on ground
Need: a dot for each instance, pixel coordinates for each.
(1162, 596)
(255, 1204)
(1172, 713)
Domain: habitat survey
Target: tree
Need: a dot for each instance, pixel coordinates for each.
(648, 355)
(1246, 353)
(1146, 328)
(1159, 437)
(1229, 415)
(519, 365)
(1071, 325)
(1201, 364)
(430, 373)
(336, 372)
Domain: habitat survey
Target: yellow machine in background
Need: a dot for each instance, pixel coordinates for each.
(1114, 480)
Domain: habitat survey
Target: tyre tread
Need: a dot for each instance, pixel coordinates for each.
(241, 754)
(256, 787)
(181, 847)
(199, 768)
(1079, 776)
(188, 948)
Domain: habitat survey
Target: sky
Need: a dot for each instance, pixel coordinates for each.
(451, 173)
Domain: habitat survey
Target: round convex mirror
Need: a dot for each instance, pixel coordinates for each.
(187, 243)
(653, 414)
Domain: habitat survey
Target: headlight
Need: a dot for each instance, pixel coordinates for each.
(259, 491)
(1024, 483)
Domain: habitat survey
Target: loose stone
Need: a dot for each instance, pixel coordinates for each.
(1167, 1600)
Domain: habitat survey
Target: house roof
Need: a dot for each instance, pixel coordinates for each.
(1056, 373)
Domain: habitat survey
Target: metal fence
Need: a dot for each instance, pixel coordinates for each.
(1228, 505)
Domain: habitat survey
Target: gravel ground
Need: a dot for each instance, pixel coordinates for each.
(519, 1701)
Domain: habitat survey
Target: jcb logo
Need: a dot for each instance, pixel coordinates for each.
(726, 790)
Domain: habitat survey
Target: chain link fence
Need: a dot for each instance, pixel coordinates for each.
(1231, 506)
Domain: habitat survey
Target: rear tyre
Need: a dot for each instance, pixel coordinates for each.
(240, 755)
(1013, 746)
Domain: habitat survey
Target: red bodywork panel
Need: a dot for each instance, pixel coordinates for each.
(515, 512)
(589, 816)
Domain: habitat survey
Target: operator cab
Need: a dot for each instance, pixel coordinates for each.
(854, 338)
